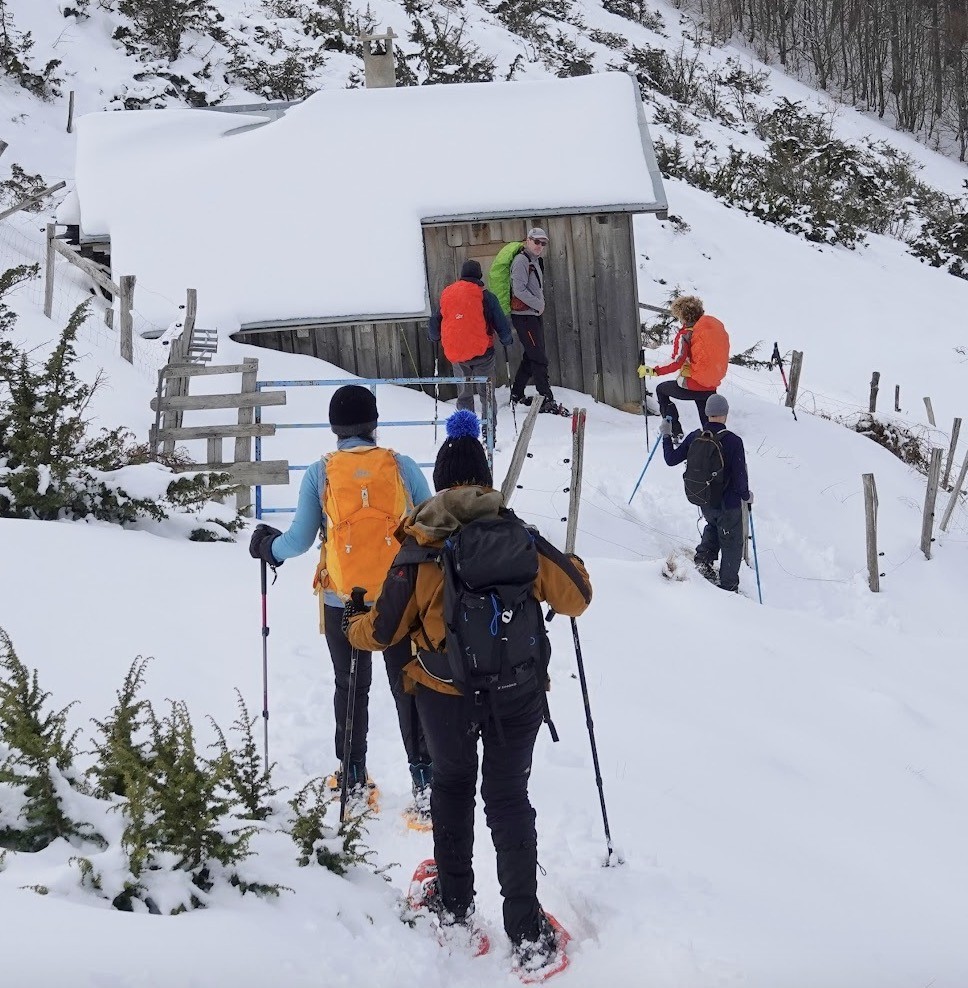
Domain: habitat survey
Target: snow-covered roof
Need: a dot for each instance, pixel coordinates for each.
(318, 214)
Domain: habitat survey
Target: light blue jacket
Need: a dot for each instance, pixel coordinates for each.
(310, 521)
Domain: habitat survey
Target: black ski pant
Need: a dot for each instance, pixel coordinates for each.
(453, 727)
(668, 390)
(723, 534)
(534, 361)
(396, 657)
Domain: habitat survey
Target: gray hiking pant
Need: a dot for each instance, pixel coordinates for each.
(482, 366)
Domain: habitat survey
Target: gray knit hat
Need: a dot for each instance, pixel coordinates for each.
(716, 406)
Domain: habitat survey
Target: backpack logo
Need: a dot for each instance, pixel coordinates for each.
(704, 478)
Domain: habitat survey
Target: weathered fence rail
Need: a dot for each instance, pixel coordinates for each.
(173, 400)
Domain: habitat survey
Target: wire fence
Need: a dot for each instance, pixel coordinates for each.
(23, 241)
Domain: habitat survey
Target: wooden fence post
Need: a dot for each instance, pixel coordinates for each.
(243, 444)
(70, 113)
(955, 494)
(870, 512)
(927, 405)
(49, 271)
(796, 362)
(126, 304)
(897, 397)
(875, 380)
(3, 147)
(955, 430)
(930, 498)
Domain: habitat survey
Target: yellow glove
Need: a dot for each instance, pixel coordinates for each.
(685, 371)
(645, 371)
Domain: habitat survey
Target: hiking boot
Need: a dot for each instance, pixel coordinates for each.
(359, 786)
(425, 894)
(551, 407)
(522, 400)
(533, 955)
(422, 776)
(705, 570)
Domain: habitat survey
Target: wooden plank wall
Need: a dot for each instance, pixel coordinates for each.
(591, 320)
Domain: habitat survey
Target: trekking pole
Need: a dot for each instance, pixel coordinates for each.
(265, 668)
(514, 413)
(647, 462)
(358, 597)
(756, 561)
(436, 389)
(591, 737)
(778, 360)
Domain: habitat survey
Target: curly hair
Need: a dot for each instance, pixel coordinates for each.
(687, 309)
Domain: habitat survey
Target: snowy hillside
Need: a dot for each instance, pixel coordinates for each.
(786, 783)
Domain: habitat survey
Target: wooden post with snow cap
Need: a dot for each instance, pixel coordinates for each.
(243, 443)
(955, 431)
(930, 499)
(875, 381)
(49, 271)
(930, 411)
(796, 363)
(897, 397)
(70, 113)
(126, 321)
(870, 513)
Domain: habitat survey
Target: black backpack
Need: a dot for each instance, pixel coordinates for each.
(705, 475)
(495, 630)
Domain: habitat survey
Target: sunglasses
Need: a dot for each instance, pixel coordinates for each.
(540, 243)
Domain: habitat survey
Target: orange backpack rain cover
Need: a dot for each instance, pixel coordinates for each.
(463, 329)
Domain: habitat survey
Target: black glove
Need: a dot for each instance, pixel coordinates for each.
(350, 609)
(260, 545)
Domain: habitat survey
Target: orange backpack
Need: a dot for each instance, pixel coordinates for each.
(463, 328)
(708, 354)
(363, 501)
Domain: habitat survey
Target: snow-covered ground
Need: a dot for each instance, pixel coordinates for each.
(786, 783)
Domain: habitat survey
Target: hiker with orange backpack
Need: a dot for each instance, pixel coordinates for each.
(466, 322)
(700, 353)
(355, 498)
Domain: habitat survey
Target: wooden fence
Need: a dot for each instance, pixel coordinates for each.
(185, 362)
(123, 291)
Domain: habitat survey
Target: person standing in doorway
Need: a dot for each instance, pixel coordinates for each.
(527, 309)
(354, 498)
(466, 323)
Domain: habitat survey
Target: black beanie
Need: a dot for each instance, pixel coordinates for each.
(472, 269)
(352, 411)
(462, 460)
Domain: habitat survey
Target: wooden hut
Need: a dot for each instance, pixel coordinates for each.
(462, 169)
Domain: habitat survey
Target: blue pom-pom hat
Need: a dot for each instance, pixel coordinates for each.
(462, 460)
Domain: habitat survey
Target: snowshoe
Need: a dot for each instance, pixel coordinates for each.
(536, 961)
(551, 407)
(360, 796)
(417, 814)
(706, 571)
(455, 933)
